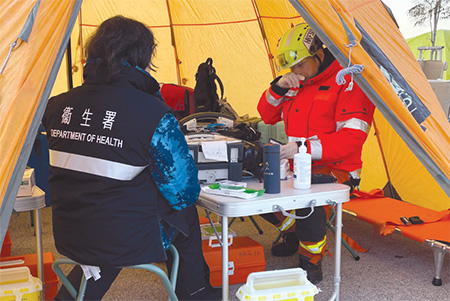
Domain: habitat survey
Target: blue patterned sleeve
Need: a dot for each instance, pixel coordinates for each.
(174, 169)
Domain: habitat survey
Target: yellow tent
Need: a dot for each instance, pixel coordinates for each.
(240, 36)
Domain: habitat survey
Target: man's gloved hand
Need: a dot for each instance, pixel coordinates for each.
(288, 151)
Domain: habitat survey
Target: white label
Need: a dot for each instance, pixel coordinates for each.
(302, 171)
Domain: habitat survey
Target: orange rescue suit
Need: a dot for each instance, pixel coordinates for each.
(334, 120)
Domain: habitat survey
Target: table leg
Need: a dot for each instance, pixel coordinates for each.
(224, 258)
(40, 260)
(337, 258)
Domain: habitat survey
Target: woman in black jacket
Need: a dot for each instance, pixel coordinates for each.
(123, 182)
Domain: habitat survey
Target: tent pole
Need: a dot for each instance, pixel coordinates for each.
(266, 44)
(69, 65)
(172, 36)
(377, 133)
(80, 44)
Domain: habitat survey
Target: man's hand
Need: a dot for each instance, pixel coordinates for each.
(290, 80)
(288, 151)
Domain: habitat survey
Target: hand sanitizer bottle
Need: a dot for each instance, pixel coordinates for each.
(302, 167)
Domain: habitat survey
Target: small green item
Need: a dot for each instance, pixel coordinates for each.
(218, 186)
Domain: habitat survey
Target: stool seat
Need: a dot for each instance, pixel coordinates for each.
(168, 284)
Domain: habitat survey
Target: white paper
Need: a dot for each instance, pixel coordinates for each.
(215, 150)
(91, 271)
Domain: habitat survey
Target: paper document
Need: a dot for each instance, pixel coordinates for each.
(215, 150)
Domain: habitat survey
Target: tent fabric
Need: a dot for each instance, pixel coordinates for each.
(241, 37)
(442, 39)
(25, 85)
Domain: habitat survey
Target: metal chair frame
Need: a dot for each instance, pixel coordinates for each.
(168, 283)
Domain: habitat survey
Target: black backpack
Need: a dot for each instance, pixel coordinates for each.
(205, 90)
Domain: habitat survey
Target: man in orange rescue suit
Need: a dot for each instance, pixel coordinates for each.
(334, 118)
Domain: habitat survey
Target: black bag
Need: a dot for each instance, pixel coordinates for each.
(205, 90)
(242, 131)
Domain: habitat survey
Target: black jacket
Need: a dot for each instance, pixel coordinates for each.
(106, 205)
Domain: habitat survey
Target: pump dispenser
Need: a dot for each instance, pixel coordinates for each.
(302, 167)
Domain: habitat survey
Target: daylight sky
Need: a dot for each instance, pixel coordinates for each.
(407, 28)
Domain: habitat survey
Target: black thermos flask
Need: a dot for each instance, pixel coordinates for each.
(271, 158)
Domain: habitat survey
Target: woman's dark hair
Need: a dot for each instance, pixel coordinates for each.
(119, 40)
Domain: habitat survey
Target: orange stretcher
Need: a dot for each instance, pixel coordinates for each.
(385, 213)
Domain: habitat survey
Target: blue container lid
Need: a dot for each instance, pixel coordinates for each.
(271, 148)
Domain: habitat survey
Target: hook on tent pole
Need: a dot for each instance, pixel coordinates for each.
(350, 69)
(25, 32)
(9, 54)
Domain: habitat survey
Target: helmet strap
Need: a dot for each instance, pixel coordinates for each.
(318, 58)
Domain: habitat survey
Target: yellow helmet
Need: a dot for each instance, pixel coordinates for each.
(296, 44)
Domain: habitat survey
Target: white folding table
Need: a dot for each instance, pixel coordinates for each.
(288, 199)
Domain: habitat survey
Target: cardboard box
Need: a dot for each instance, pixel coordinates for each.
(30, 261)
(28, 182)
(17, 284)
(6, 247)
(244, 256)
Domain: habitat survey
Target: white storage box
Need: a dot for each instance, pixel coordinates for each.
(17, 284)
(28, 182)
(289, 284)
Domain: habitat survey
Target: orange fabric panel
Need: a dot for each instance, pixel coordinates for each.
(25, 76)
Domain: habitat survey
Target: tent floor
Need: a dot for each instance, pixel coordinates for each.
(395, 268)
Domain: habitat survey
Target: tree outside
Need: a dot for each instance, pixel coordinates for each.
(430, 11)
